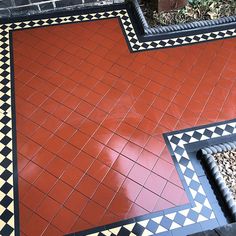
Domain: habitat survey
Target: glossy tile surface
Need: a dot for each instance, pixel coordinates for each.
(90, 118)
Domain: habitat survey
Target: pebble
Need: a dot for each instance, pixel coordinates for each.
(226, 162)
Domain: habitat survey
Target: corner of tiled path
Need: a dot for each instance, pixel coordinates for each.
(90, 117)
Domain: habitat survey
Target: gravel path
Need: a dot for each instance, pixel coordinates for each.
(226, 162)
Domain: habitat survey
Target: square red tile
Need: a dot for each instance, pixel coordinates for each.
(60, 192)
(83, 161)
(98, 170)
(87, 186)
(139, 174)
(108, 156)
(93, 213)
(31, 172)
(155, 183)
(56, 166)
(93, 148)
(173, 198)
(72, 175)
(76, 202)
(36, 225)
(114, 180)
(103, 195)
(45, 182)
(48, 208)
(123, 165)
(64, 220)
(163, 168)
(117, 143)
(120, 205)
(130, 189)
(142, 199)
(68, 152)
(147, 159)
(33, 203)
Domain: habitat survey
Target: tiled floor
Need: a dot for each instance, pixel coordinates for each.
(90, 117)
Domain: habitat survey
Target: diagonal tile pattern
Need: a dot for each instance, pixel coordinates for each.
(90, 118)
(86, 129)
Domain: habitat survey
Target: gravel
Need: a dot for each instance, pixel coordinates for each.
(226, 162)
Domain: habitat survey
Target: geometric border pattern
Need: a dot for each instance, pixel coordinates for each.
(207, 154)
(200, 211)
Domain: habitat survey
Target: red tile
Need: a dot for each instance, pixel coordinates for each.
(168, 121)
(43, 157)
(79, 139)
(31, 172)
(108, 156)
(64, 220)
(93, 148)
(136, 210)
(120, 205)
(60, 192)
(98, 170)
(48, 208)
(36, 225)
(132, 151)
(62, 112)
(117, 143)
(109, 218)
(49, 105)
(30, 149)
(72, 175)
(142, 199)
(139, 174)
(84, 108)
(162, 204)
(163, 168)
(171, 188)
(71, 102)
(155, 146)
(45, 182)
(147, 159)
(103, 195)
(80, 225)
(52, 231)
(54, 144)
(33, 203)
(147, 125)
(24, 186)
(103, 135)
(76, 202)
(65, 131)
(140, 138)
(25, 214)
(161, 104)
(59, 95)
(51, 123)
(87, 186)
(123, 165)
(56, 166)
(41, 136)
(114, 180)
(130, 189)
(155, 183)
(93, 213)
(83, 161)
(88, 127)
(22, 162)
(68, 152)
(39, 116)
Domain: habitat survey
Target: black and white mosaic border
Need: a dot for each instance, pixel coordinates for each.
(207, 155)
(148, 225)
